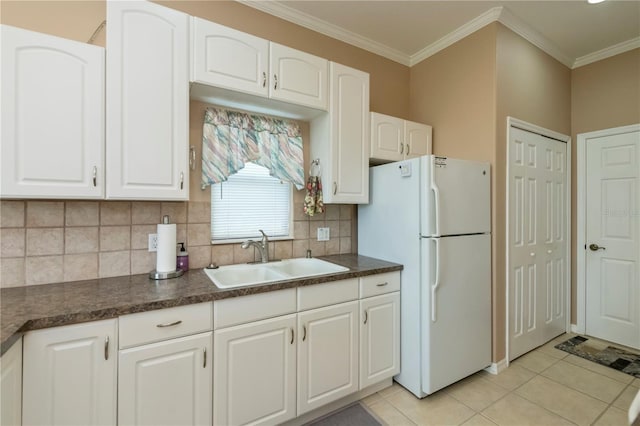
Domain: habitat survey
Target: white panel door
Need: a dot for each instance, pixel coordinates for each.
(255, 373)
(52, 116)
(70, 375)
(417, 139)
(147, 101)
(166, 383)
(327, 355)
(298, 77)
(379, 338)
(229, 58)
(387, 137)
(537, 277)
(11, 386)
(613, 238)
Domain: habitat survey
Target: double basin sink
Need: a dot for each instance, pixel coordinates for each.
(259, 273)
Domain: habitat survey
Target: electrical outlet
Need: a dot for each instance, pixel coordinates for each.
(323, 234)
(153, 242)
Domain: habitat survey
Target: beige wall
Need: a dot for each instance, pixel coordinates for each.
(604, 94)
(534, 87)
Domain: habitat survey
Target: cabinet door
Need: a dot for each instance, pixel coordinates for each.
(417, 139)
(297, 77)
(166, 383)
(379, 338)
(52, 116)
(228, 58)
(387, 137)
(349, 143)
(327, 355)
(70, 375)
(11, 386)
(255, 373)
(147, 102)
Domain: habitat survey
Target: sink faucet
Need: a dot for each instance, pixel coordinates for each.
(262, 246)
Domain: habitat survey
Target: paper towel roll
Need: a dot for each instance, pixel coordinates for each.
(166, 256)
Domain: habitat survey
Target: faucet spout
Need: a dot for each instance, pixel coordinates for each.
(262, 246)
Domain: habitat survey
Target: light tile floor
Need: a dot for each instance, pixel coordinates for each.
(544, 387)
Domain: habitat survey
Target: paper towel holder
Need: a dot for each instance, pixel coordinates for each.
(155, 275)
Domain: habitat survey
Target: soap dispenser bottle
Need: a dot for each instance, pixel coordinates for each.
(182, 259)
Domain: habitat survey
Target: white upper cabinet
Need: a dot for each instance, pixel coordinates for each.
(147, 102)
(240, 63)
(213, 47)
(340, 138)
(394, 139)
(297, 77)
(52, 116)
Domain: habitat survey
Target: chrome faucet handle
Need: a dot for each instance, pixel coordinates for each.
(265, 239)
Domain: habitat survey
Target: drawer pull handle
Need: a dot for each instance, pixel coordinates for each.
(382, 284)
(292, 334)
(204, 355)
(366, 316)
(169, 324)
(304, 333)
(408, 148)
(106, 348)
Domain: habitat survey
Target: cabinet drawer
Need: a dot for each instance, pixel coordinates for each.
(163, 324)
(324, 294)
(373, 285)
(240, 310)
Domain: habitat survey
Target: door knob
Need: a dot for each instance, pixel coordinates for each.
(595, 247)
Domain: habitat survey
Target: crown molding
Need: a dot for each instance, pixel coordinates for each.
(299, 18)
(469, 28)
(616, 49)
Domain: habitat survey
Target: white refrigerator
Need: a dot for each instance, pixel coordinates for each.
(433, 215)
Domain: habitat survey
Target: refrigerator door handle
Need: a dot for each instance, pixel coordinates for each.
(436, 198)
(435, 285)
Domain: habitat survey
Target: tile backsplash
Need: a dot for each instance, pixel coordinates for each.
(52, 241)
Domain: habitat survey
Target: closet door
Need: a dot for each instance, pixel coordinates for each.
(537, 277)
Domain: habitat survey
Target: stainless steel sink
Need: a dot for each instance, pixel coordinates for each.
(251, 274)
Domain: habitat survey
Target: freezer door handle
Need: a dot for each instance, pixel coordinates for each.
(436, 283)
(436, 197)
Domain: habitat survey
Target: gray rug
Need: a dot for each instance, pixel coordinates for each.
(355, 415)
(616, 358)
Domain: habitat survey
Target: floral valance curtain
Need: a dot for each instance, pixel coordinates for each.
(230, 139)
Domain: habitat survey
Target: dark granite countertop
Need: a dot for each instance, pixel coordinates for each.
(51, 305)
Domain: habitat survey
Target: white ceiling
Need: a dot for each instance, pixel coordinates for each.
(574, 32)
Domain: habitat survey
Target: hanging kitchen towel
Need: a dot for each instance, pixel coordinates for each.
(313, 199)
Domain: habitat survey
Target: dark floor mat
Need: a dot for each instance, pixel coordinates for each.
(355, 415)
(616, 358)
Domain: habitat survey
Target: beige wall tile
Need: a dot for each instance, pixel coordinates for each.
(81, 240)
(44, 241)
(241, 255)
(301, 229)
(316, 217)
(586, 381)
(345, 228)
(318, 248)
(332, 212)
(199, 257)
(181, 234)
(334, 228)
(333, 246)
(12, 272)
(114, 264)
(222, 254)
(82, 213)
(199, 212)
(45, 213)
(143, 212)
(298, 213)
(142, 261)
(12, 242)
(300, 248)
(177, 211)
(283, 250)
(198, 234)
(140, 236)
(115, 238)
(346, 211)
(11, 214)
(80, 266)
(43, 270)
(313, 229)
(115, 213)
(345, 245)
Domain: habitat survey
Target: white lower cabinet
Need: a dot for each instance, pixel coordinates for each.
(11, 386)
(327, 355)
(379, 338)
(166, 383)
(70, 375)
(255, 372)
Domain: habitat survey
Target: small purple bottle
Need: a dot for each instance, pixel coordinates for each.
(182, 259)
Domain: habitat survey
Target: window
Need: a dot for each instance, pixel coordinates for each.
(250, 200)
